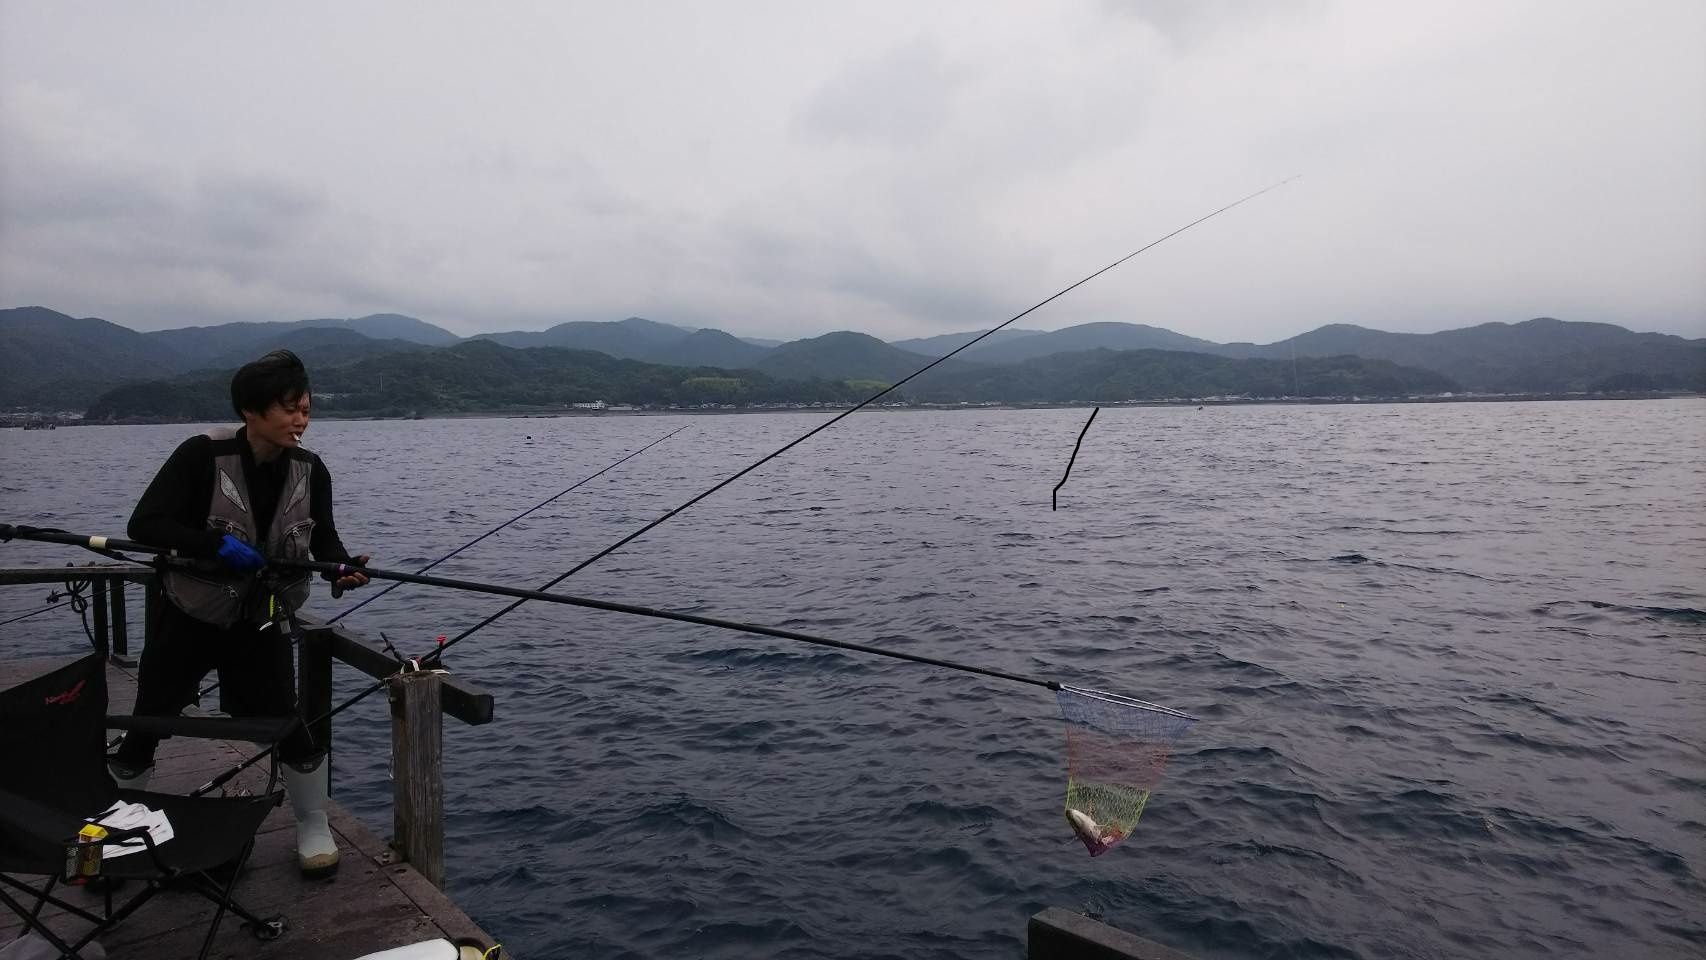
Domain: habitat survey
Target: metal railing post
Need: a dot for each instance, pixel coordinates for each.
(120, 626)
(98, 587)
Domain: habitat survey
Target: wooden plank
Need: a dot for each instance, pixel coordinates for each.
(462, 700)
(375, 902)
(134, 572)
(1057, 934)
(417, 753)
(450, 919)
(357, 913)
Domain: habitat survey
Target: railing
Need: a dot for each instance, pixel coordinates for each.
(106, 601)
(419, 699)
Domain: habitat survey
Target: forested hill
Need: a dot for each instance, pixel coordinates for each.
(1543, 355)
(1540, 355)
(49, 360)
(482, 375)
(486, 376)
(52, 361)
(1109, 376)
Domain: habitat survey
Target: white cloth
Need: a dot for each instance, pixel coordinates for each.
(132, 816)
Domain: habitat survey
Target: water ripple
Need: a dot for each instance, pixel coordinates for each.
(1449, 660)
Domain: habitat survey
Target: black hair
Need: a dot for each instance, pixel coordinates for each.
(278, 377)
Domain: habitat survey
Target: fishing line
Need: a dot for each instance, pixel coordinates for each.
(1054, 495)
(6, 531)
(73, 595)
(338, 569)
(656, 614)
(611, 606)
(523, 514)
(53, 606)
(607, 551)
(556, 496)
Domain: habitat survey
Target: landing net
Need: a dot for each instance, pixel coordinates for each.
(1116, 750)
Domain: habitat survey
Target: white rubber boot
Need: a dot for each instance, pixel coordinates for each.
(316, 851)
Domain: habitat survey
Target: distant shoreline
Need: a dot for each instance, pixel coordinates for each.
(53, 421)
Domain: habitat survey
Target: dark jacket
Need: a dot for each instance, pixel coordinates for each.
(173, 510)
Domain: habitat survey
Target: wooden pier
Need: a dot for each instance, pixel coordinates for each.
(386, 894)
(375, 902)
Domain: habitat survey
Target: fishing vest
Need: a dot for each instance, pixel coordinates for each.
(211, 593)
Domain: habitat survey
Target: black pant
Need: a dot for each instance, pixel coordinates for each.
(257, 678)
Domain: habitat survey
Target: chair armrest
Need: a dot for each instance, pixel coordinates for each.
(135, 833)
(252, 729)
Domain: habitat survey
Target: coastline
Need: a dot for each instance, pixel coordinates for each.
(34, 420)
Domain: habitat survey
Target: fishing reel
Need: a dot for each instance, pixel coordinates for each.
(407, 665)
(267, 606)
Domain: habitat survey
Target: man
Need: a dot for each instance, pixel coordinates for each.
(232, 501)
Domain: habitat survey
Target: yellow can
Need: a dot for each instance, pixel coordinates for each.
(84, 859)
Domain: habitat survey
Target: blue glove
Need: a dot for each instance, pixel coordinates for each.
(239, 556)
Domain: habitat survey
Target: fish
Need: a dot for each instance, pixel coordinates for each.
(1098, 839)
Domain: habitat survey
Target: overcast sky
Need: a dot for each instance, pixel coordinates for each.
(787, 169)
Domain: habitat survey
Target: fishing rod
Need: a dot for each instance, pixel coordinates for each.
(523, 514)
(590, 603)
(554, 497)
(655, 613)
(630, 538)
(8, 532)
(438, 653)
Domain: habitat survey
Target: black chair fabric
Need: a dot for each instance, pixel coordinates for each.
(52, 738)
(53, 776)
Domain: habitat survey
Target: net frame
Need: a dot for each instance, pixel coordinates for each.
(1117, 749)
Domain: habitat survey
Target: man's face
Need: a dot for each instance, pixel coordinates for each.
(282, 424)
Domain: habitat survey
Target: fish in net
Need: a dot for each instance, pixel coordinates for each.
(1116, 749)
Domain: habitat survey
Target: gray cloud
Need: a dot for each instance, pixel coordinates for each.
(1190, 22)
(780, 170)
(901, 98)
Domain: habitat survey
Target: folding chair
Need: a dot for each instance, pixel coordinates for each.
(53, 777)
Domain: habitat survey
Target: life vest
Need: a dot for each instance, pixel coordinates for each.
(212, 594)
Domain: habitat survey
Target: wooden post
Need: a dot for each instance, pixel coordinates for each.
(121, 634)
(98, 586)
(417, 753)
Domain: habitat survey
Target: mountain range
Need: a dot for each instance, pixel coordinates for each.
(1030, 344)
(49, 360)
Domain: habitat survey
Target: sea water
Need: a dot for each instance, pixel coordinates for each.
(1450, 661)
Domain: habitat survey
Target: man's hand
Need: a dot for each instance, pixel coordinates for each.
(353, 580)
(239, 556)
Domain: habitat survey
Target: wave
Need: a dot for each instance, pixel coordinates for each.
(1597, 609)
